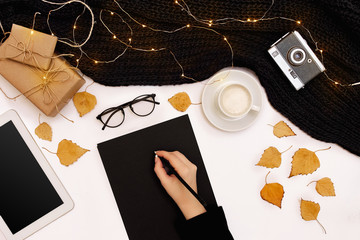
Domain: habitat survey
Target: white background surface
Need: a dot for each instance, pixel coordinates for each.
(229, 158)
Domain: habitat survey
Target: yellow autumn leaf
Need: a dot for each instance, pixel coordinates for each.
(272, 193)
(69, 152)
(271, 158)
(325, 187)
(180, 101)
(84, 102)
(44, 131)
(281, 129)
(309, 211)
(305, 162)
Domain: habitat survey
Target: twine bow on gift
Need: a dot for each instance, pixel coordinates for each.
(46, 80)
(27, 53)
(25, 49)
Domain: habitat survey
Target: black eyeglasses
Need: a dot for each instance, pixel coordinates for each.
(142, 106)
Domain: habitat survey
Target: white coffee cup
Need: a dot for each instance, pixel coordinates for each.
(235, 101)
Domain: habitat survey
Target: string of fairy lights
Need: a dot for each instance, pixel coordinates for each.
(204, 24)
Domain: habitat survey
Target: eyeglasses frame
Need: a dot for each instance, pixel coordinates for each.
(121, 107)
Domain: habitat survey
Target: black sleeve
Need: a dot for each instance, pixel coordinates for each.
(209, 225)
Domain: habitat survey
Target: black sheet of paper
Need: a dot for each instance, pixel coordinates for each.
(146, 209)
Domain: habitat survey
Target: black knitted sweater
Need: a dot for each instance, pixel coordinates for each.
(322, 109)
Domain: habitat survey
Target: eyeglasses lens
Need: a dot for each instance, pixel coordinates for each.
(143, 107)
(114, 118)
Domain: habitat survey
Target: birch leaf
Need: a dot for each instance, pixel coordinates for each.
(69, 152)
(271, 158)
(281, 129)
(309, 211)
(272, 193)
(84, 102)
(180, 101)
(304, 162)
(325, 187)
(44, 131)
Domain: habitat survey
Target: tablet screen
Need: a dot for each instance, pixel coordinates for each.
(26, 192)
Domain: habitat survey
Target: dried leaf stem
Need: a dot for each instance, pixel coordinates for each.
(266, 177)
(287, 149)
(322, 149)
(48, 150)
(321, 226)
(311, 183)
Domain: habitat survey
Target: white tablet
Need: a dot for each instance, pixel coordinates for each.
(31, 195)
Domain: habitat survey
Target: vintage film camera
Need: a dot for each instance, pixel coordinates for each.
(296, 59)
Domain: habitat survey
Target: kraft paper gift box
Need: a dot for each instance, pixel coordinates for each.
(48, 90)
(30, 47)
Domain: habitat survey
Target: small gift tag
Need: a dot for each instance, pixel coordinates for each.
(30, 47)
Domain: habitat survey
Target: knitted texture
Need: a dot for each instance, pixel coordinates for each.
(324, 110)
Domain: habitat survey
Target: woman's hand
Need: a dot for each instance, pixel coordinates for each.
(187, 203)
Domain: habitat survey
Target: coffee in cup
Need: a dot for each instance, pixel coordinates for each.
(235, 101)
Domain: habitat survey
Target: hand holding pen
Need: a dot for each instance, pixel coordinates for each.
(186, 171)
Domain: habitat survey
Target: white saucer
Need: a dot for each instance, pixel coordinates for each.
(211, 91)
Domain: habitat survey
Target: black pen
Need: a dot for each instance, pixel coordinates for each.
(170, 170)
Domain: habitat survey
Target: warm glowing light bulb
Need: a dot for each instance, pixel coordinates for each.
(143, 25)
(130, 39)
(298, 22)
(95, 61)
(176, 2)
(74, 26)
(255, 20)
(337, 83)
(182, 75)
(114, 37)
(249, 20)
(188, 25)
(44, 77)
(210, 24)
(52, 34)
(112, 13)
(32, 32)
(153, 49)
(321, 51)
(225, 38)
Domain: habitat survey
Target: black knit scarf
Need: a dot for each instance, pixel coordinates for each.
(325, 111)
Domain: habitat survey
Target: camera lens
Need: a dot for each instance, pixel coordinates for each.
(296, 56)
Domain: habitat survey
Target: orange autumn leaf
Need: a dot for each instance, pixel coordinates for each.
(309, 211)
(271, 158)
(272, 193)
(84, 102)
(325, 187)
(69, 152)
(180, 101)
(304, 162)
(281, 129)
(44, 131)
